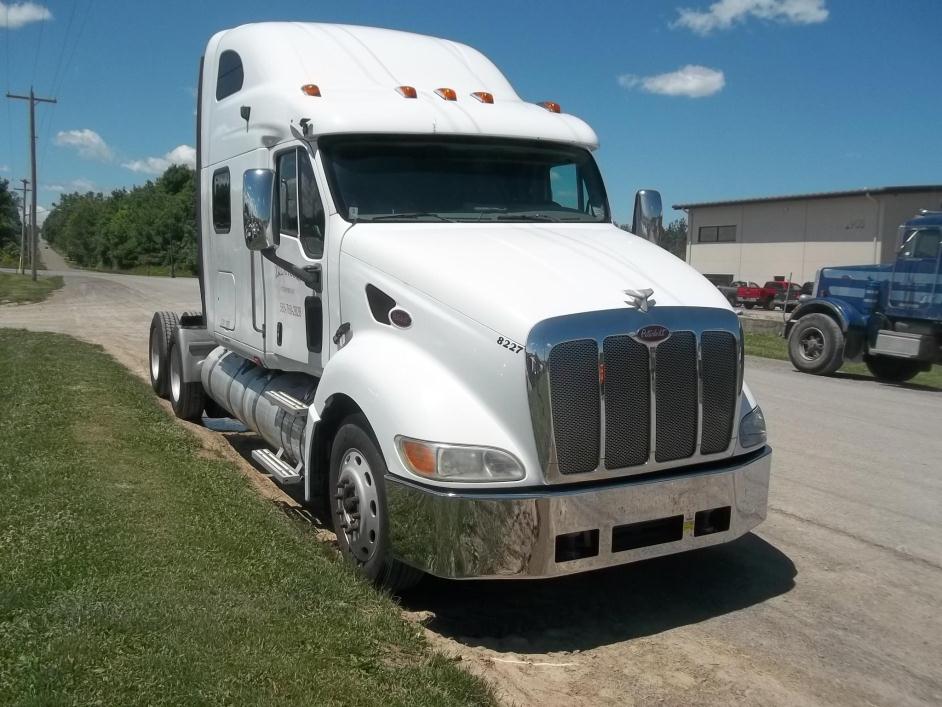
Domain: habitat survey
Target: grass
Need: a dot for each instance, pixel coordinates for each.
(18, 289)
(135, 569)
(773, 346)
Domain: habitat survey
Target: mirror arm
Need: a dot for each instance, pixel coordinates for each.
(309, 275)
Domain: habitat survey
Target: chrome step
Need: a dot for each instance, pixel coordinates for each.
(286, 402)
(276, 466)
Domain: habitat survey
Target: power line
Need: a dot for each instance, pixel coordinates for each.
(39, 44)
(33, 100)
(60, 77)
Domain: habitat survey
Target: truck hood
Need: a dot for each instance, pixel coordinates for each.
(510, 276)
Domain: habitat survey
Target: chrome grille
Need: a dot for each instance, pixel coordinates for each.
(604, 403)
(627, 402)
(675, 395)
(719, 362)
(574, 377)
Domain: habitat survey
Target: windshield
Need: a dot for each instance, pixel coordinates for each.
(462, 179)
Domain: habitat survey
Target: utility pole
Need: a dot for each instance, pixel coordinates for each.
(23, 189)
(34, 232)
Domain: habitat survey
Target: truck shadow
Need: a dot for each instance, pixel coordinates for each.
(584, 611)
(841, 375)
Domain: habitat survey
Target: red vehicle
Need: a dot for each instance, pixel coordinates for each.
(752, 295)
(769, 295)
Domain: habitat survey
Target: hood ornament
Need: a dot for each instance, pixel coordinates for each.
(640, 299)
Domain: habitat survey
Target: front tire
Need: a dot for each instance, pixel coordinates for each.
(750, 305)
(162, 326)
(892, 370)
(357, 493)
(187, 399)
(816, 345)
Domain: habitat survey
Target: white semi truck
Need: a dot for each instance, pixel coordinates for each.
(414, 292)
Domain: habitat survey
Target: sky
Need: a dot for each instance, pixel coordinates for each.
(700, 100)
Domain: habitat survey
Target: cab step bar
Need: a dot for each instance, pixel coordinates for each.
(275, 465)
(288, 403)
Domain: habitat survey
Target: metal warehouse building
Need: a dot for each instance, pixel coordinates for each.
(756, 239)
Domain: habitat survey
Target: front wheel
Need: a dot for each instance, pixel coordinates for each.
(892, 370)
(358, 506)
(750, 305)
(816, 345)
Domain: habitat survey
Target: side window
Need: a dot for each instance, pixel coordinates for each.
(312, 209)
(927, 244)
(230, 76)
(288, 193)
(706, 234)
(222, 201)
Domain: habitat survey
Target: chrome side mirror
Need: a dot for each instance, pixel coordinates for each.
(648, 220)
(257, 192)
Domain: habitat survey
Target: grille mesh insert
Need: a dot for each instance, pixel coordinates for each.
(676, 397)
(627, 402)
(718, 352)
(574, 382)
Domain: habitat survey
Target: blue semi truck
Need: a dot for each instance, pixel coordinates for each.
(888, 315)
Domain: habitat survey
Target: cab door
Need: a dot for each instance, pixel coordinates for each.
(237, 287)
(295, 277)
(915, 290)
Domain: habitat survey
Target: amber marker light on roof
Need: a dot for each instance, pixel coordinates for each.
(310, 89)
(484, 96)
(447, 93)
(407, 91)
(551, 106)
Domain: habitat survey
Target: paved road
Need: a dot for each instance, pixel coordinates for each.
(837, 597)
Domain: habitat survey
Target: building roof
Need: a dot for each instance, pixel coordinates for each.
(817, 195)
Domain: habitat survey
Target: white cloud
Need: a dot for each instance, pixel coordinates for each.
(17, 14)
(691, 81)
(4, 168)
(182, 154)
(80, 185)
(87, 143)
(725, 13)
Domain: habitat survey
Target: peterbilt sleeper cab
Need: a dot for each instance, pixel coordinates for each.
(414, 292)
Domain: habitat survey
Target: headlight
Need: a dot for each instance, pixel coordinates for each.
(752, 429)
(451, 462)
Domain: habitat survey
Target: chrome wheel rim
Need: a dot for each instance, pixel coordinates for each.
(811, 344)
(175, 378)
(356, 505)
(154, 358)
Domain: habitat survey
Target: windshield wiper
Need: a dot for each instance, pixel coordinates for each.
(408, 215)
(525, 217)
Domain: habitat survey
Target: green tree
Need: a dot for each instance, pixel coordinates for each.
(151, 225)
(10, 224)
(672, 239)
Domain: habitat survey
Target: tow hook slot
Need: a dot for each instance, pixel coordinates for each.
(578, 545)
(714, 520)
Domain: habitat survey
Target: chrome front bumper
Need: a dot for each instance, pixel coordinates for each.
(557, 531)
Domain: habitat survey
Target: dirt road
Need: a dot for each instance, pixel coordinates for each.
(836, 599)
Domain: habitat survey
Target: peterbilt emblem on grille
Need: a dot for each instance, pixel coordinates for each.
(640, 299)
(653, 334)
